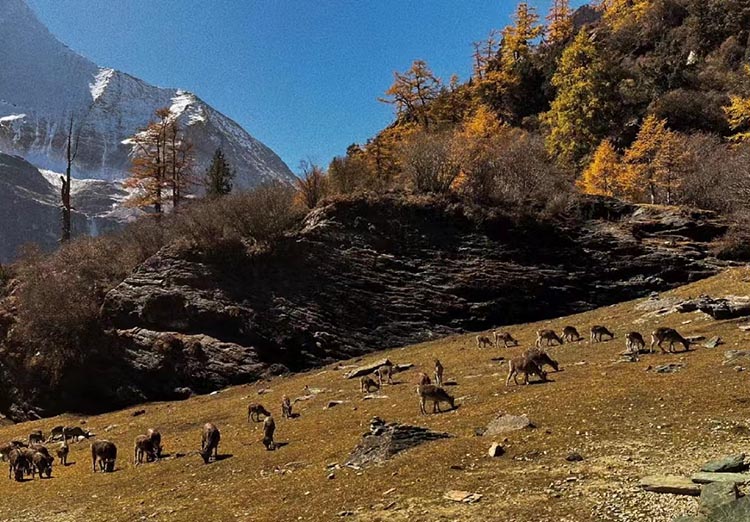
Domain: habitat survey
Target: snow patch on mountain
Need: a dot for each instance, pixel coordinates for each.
(101, 80)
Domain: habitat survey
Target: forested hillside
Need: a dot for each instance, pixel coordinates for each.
(645, 100)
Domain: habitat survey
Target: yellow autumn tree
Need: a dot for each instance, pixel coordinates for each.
(581, 114)
(604, 175)
(738, 115)
(559, 22)
(619, 13)
(518, 38)
(412, 92)
(654, 163)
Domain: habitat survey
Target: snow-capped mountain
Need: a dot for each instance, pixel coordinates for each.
(43, 84)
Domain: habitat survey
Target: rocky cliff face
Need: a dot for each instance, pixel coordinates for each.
(362, 275)
(44, 84)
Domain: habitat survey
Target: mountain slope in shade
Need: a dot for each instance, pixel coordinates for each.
(43, 84)
(30, 207)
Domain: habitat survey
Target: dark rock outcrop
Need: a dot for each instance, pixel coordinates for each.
(363, 275)
(383, 441)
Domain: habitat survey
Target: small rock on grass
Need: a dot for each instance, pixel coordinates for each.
(574, 457)
(466, 497)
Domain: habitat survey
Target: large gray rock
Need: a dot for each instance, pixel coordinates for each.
(734, 463)
(505, 423)
(717, 495)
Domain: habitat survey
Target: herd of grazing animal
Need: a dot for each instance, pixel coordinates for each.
(532, 361)
(33, 457)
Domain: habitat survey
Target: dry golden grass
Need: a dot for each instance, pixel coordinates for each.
(625, 421)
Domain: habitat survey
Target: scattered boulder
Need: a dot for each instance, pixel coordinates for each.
(731, 464)
(383, 441)
(505, 423)
(670, 484)
(713, 342)
(496, 450)
(718, 494)
(574, 457)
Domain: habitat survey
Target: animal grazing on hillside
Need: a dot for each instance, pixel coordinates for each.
(42, 462)
(286, 407)
(6, 448)
(438, 373)
(210, 438)
(143, 447)
(36, 436)
(662, 334)
(385, 374)
(19, 464)
(269, 427)
(506, 338)
(598, 331)
(430, 392)
(570, 334)
(69, 432)
(104, 453)
(634, 343)
(62, 452)
(525, 366)
(548, 336)
(483, 340)
(155, 437)
(541, 358)
(255, 410)
(366, 383)
(422, 379)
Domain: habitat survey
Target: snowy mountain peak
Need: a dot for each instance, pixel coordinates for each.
(44, 83)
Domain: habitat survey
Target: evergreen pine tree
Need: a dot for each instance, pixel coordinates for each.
(219, 176)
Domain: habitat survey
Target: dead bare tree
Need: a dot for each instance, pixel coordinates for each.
(70, 156)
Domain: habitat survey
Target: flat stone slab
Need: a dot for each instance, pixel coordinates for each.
(505, 423)
(673, 484)
(731, 464)
(713, 342)
(466, 497)
(706, 478)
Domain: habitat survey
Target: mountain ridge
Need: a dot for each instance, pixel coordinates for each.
(46, 83)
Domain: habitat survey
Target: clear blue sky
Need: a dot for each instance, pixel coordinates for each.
(303, 76)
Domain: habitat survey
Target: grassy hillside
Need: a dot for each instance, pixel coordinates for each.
(625, 421)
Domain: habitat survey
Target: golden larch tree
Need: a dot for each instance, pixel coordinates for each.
(559, 22)
(603, 176)
(654, 161)
(412, 92)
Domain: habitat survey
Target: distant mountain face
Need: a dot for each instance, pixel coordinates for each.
(30, 207)
(43, 84)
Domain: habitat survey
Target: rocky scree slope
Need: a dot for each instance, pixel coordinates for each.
(366, 274)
